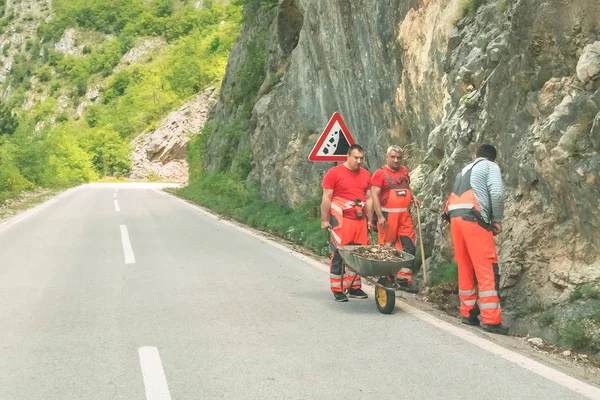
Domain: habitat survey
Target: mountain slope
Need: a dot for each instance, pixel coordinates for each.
(82, 79)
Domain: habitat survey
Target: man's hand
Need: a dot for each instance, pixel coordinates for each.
(325, 225)
(372, 227)
(417, 202)
(382, 221)
(496, 228)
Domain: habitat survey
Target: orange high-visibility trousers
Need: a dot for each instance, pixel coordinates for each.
(351, 231)
(475, 254)
(401, 233)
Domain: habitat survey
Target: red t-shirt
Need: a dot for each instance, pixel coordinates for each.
(380, 180)
(348, 184)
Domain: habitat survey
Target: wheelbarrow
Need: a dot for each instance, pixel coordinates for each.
(382, 274)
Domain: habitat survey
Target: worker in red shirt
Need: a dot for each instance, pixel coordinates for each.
(344, 212)
(392, 199)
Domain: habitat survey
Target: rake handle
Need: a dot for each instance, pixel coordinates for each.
(423, 265)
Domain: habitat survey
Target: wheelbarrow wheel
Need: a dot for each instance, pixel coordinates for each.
(385, 299)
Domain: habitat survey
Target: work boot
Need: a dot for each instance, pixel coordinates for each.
(495, 328)
(340, 296)
(406, 287)
(357, 293)
(473, 321)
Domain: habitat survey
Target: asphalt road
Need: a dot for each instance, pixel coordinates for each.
(161, 301)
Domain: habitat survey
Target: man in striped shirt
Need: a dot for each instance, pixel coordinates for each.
(475, 209)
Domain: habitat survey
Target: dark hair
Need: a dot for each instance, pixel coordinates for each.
(355, 147)
(487, 151)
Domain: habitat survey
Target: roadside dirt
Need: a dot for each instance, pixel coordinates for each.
(25, 201)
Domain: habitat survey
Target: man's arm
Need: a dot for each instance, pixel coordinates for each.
(325, 206)
(369, 206)
(496, 192)
(375, 193)
(415, 200)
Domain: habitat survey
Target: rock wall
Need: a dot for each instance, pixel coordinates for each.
(440, 77)
(161, 154)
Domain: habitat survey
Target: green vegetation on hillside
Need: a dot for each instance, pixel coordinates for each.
(48, 144)
(227, 191)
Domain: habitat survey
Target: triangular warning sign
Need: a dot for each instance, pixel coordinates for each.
(334, 142)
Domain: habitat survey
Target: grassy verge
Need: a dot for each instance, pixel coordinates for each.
(227, 195)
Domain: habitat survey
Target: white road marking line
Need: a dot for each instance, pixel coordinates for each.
(538, 368)
(155, 381)
(127, 250)
(117, 208)
(585, 389)
(115, 195)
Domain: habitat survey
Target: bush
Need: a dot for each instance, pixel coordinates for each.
(92, 117)
(69, 164)
(8, 122)
(80, 87)
(62, 117)
(154, 177)
(215, 43)
(547, 318)
(575, 294)
(120, 82)
(55, 88)
(471, 6)
(446, 273)
(109, 152)
(252, 73)
(45, 75)
(12, 181)
(164, 8)
(589, 291)
(581, 334)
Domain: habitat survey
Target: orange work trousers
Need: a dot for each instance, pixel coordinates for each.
(350, 231)
(475, 254)
(401, 233)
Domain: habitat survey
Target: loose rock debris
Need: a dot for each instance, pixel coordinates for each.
(379, 253)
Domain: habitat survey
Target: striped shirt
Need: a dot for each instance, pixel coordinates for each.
(486, 181)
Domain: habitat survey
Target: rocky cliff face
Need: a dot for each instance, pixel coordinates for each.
(441, 77)
(161, 154)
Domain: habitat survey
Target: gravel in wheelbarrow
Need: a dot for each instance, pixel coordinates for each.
(380, 253)
(375, 260)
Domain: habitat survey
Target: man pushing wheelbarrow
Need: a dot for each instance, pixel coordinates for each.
(345, 209)
(344, 213)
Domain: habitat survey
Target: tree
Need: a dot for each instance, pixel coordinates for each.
(8, 122)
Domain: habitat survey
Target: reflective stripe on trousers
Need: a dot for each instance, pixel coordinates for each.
(351, 231)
